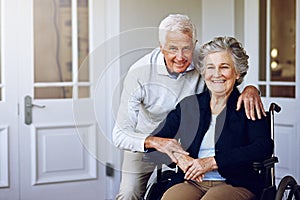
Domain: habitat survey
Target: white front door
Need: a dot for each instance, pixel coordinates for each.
(41, 153)
(279, 81)
(274, 66)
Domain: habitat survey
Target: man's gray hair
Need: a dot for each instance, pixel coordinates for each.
(177, 23)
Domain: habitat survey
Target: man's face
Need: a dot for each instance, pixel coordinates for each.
(178, 51)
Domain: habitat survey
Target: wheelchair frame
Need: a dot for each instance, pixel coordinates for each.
(288, 189)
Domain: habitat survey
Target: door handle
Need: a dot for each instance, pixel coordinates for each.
(28, 109)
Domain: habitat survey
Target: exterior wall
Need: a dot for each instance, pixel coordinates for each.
(146, 15)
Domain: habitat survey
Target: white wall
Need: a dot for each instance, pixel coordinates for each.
(143, 14)
(251, 41)
(218, 19)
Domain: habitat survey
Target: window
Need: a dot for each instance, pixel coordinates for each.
(61, 45)
(277, 77)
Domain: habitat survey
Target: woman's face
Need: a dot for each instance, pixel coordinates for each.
(220, 74)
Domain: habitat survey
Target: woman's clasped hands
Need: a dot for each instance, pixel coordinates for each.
(195, 169)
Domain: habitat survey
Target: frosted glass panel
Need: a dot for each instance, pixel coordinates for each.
(83, 39)
(52, 41)
(83, 92)
(283, 40)
(61, 46)
(283, 91)
(53, 92)
(277, 49)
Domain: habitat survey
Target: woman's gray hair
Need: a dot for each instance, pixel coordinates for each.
(231, 44)
(177, 23)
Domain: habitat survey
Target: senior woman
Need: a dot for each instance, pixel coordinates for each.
(224, 143)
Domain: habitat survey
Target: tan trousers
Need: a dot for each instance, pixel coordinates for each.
(135, 175)
(207, 190)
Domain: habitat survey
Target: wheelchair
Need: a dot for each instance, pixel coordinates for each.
(287, 189)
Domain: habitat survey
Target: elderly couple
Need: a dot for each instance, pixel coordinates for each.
(191, 93)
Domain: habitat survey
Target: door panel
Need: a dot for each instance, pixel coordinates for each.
(4, 156)
(286, 128)
(52, 165)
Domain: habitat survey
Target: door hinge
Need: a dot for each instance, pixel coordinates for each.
(18, 109)
(109, 170)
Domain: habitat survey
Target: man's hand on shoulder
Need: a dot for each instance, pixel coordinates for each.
(252, 103)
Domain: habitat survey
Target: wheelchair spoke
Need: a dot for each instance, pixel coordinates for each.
(286, 189)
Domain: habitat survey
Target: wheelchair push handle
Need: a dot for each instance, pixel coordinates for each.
(274, 107)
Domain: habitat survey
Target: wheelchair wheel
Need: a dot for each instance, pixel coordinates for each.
(295, 193)
(286, 189)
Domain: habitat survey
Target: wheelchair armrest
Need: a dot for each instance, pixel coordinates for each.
(266, 164)
(146, 158)
(159, 162)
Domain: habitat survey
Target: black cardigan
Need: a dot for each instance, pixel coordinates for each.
(241, 141)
